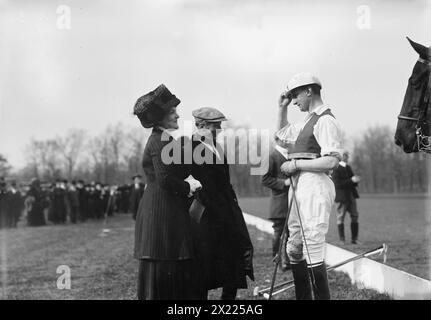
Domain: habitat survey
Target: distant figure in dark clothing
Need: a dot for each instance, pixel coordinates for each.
(33, 204)
(346, 194)
(111, 193)
(16, 204)
(98, 201)
(58, 208)
(3, 204)
(136, 193)
(73, 200)
(65, 187)
(82, 200)
(91, 208)
(104, 196)
(124, 198)
(279, 184)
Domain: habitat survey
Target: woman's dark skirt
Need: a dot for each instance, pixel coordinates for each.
(166, 280)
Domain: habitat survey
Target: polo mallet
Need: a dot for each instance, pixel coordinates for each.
(383, 249)
(280, 247)
(105, 220)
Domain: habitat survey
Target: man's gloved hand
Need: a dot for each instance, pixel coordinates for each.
(356, 179)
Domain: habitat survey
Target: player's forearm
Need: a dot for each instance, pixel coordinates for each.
(318, 165)
(282, 118)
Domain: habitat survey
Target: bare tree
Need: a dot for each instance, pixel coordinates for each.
(49, 152)
(70, 147)
(4, 166)
(32, 156)
(43, 157)
(97, 147)
(384, 167)
(136, 140)
(116, 146)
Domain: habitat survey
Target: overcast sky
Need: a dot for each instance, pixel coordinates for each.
(233, 55)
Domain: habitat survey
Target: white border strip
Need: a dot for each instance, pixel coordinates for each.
(366, 273)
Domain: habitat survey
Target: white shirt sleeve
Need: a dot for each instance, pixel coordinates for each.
(290, 132)
(328, 135)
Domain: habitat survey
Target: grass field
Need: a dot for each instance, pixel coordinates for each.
(399, 221)
(102, 267)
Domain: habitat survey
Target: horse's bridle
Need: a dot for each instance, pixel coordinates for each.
(423, 141)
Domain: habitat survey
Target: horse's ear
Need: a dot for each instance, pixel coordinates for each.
(424, 52)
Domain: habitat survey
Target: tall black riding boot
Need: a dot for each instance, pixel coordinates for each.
(301, 280)
(354, 226)
(341, 232)
(321, 289)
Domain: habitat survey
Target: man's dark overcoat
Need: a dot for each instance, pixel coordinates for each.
(274, 179)
(344, 186)
(224, 248)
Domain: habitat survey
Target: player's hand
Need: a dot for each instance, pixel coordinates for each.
(356, 179)
(284, 100)
(289, 167)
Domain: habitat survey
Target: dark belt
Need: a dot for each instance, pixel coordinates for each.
(303, 155)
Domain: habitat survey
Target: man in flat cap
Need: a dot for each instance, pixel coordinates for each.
(224, 249)
(316, 151)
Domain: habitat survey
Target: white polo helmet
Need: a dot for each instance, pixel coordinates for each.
(302, 79)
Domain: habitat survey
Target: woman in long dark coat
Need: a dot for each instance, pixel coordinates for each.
(162, 231)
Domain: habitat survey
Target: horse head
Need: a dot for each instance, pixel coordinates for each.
(416, 101)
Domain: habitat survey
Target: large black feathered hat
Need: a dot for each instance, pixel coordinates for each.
(151, 107)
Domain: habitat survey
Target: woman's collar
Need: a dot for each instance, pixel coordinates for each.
(173, 133)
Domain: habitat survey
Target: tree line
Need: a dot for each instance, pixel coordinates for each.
(111, 157)
(115, 155)
(384, 167)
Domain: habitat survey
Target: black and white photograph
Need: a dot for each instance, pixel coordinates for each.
(220, 153)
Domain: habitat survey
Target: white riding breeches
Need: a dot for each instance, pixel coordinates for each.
(315, 194)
